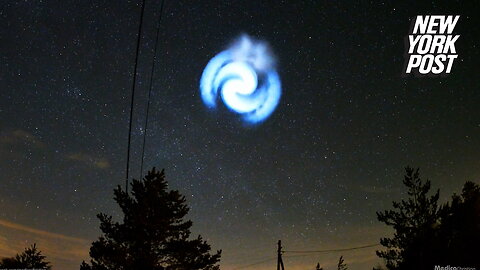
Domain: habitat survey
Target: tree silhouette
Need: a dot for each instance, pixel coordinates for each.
(413, 220)
(341, 264)
(30, 258)
(9, 263)
(459, 232)
(153, 235)
(427, 234)
(318, 267)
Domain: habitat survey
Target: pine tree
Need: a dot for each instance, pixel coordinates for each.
(30, 258)
(154, 234)
(414, 221)
(341, 264)
(459, 233)
(10, 263)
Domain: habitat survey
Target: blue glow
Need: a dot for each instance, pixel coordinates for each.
(245, 78)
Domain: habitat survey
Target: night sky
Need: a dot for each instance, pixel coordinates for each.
(313, 174)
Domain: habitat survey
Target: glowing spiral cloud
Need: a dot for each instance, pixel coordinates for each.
(245, 79)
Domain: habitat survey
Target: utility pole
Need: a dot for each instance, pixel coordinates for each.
(279, 252)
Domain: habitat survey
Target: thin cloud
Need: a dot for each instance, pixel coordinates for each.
(24, 228)
(20, 136)
(100, 163)
(65, 252)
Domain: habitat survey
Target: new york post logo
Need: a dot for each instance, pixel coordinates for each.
(431, 45)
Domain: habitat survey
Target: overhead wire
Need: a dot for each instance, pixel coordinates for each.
(134, 83)
(330, 250)
(300, 252)
(150, 88)
(305, 253)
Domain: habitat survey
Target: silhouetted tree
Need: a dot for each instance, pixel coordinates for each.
(10, 263)
(458, 235)
(426, 234)
(318, 267)
(341, 264)
(30, 258)
(414, 221)
(153, 235)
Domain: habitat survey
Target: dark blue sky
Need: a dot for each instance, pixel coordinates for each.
(312, 175)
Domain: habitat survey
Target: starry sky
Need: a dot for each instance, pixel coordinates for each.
(313, 174)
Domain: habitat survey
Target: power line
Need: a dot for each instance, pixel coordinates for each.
(150, 88)
(139, 36)
(330, 250)
(305, 254)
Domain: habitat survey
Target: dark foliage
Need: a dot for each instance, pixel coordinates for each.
(459, 234)
(341, 264)
(30, 258)
(153, 235)
(413, 220)
(426, 234)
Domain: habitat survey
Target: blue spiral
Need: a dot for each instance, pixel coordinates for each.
(245, 78)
